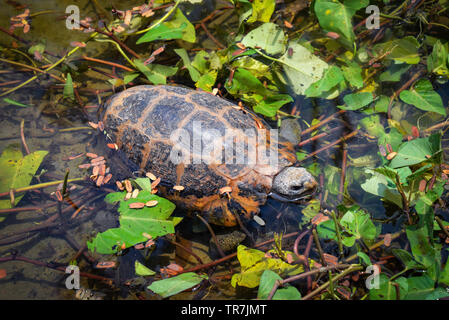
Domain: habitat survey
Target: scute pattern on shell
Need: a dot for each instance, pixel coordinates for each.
(140, 121)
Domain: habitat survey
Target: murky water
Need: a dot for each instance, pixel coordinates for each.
(34, 233)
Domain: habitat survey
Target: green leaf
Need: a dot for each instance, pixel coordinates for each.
(162, 32)
(358, 224)
(144, 183)
(17, 171)
(436, 62)
(424, 97)
(337, 17)
(444, 276)
(379, 185)
(207, 80)
(419, 287)
(270, 105)
(68, 88)
(302, 67)
(194, 74)
(267, 281)
(269, 37)
(416, 151)
(420, 239)
(143, 271)
(171, 286)
(130, 77)
(394, 72)
(262, 10)
(244, 82)
(253, 263)
(386, 289)
(407, 259)
(177, 28)
(156, 73)
(353, 74)
(332, 77)
(13, 102)
(365, 258)
(355, 101)
(188, 34)
(326, 230)
(403, 50)
(134, 223)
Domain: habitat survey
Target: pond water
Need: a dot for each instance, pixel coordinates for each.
(46, 232)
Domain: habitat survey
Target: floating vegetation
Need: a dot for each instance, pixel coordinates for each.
(369, 92)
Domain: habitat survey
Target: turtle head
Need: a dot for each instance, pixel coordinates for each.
(293, 184)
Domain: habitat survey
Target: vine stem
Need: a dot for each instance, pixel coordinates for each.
(352, 268)
(54, 65)
(232, 255)
(40, 186)
(165, 17)
(303, 275)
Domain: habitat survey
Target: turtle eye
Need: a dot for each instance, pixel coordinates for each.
(297, 189)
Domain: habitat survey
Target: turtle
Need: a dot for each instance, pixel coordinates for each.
(154, 126)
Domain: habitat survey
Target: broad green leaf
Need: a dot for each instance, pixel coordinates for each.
(353, 74)
(332, 77)
(365, 258)
(171, 286)
(267, 281)
(358, 223)
(194, 74)
(403, 50)
(144, 183)
(407, 259)
(188, 34)
(419, 287)
(437, 294)
(424, 97)
(162, 32)
(256, 67)
(134, 223)
(444, 276)
(436, 62)
(379, 185)
(17, 171)
(156, 73)
(386, 289)
(416, 151)
(253, 263)
(207, 80)
(244, 82)
(143, 271)
(326, 230)
(130, 77)
(337, 17)
(355, 101)
(269, 37)
(68, 88)
(262, 10)
(394, 72)
(271, 104)
(302, 67)
(423, 250)
(177, 28)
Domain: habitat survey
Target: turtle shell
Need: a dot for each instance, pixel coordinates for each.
(170, 131)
